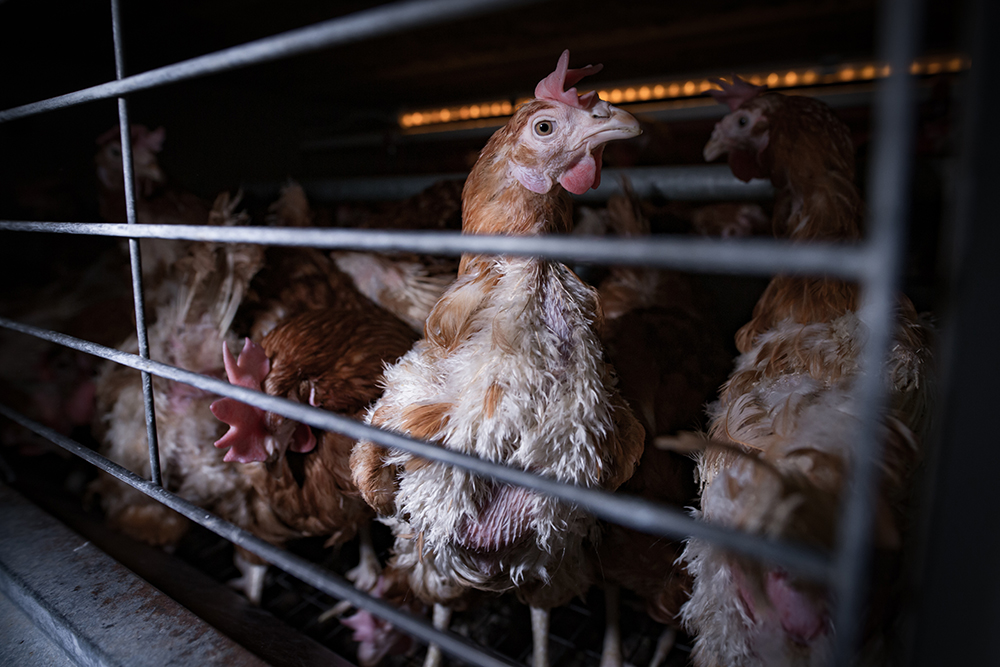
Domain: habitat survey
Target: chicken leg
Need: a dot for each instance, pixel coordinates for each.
(540, 636)
(442, 619)
(251, 579)
(611, 655)
(365, 575)
(663, 646)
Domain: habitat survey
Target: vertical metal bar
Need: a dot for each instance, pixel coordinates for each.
(893, 119)
(133, 248)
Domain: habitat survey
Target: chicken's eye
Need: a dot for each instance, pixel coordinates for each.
(743, 121)
(544, 128)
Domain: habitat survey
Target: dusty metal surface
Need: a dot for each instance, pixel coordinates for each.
(96, 609)
(23, 643)
(219, 605)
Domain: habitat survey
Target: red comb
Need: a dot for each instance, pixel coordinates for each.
(735, 94)
(551, 87)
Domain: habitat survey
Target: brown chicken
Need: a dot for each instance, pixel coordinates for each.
(511, 369)
(787, 417)
(671, 358)
(186, 329)
(324, 344)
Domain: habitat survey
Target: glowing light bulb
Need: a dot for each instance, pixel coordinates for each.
(791, 79)
(689, 88)
(659, 90)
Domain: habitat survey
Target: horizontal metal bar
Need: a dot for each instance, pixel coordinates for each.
(754, 255)
(621, 509)
(709, 182)
(310, 573)
(366, 24)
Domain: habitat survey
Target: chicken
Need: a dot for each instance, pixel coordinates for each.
(730, 219)
(511, 369)
(671, 358)
(786, 418)
(156, 201)
(321, 343)
(406, 284)
(208, 284)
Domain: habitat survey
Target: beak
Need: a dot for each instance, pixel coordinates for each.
(610, 123)
(716, 145)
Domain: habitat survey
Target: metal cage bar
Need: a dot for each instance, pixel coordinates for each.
(745, 256)
(876, 263)
(632, 512)
(355, 27)
(308, 572)
(889, 180)
(135, 257)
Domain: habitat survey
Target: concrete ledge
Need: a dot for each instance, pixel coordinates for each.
(96, 610)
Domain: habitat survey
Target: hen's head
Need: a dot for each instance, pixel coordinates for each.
(255, 435)
(767, 132)
(744, 133)
(559, 136)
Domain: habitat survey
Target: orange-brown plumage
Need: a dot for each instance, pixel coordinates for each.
(787, 417)
(510, 369)
(324, 344)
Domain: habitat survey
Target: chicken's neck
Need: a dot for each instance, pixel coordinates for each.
(815, 200)
(493, 202)
(813, 175)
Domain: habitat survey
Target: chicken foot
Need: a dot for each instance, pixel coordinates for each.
(611, 655)
(442, 619)
(540, 636)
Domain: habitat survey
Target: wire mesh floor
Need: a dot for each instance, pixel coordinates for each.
(500, 623)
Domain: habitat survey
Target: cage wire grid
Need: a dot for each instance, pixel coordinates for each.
(875, 263)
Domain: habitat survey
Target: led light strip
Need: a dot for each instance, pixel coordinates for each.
(682, 88)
